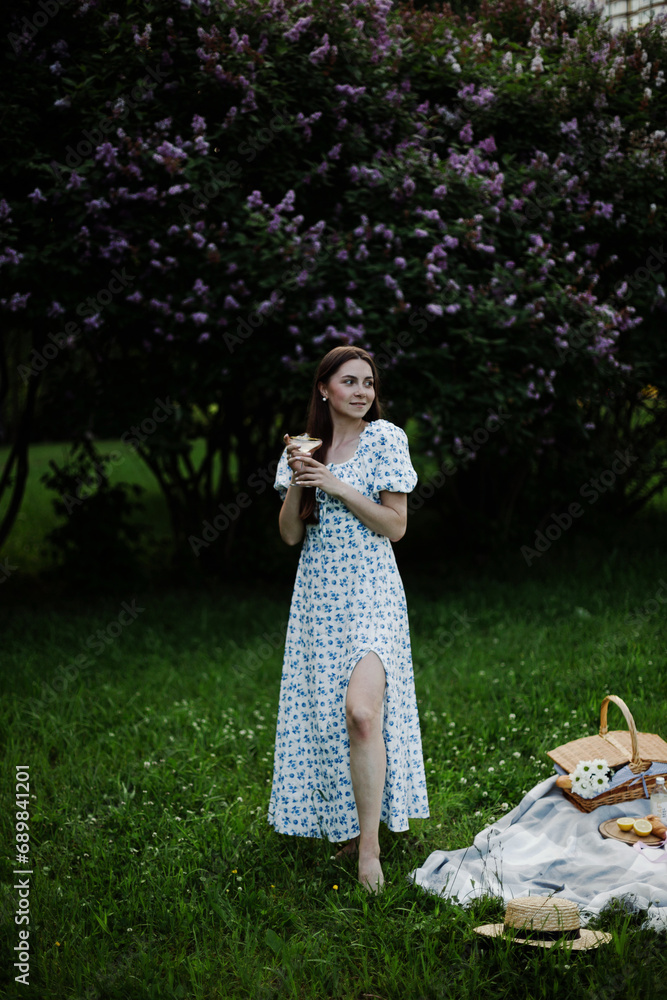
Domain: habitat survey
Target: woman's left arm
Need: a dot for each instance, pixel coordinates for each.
(389, 517)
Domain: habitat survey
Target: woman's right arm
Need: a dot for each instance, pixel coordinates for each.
(292, 528)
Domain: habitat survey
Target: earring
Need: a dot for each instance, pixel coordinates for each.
(324, 399)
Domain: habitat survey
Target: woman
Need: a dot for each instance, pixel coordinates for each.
(348, 745)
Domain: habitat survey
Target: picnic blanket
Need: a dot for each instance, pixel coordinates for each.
(546, 846)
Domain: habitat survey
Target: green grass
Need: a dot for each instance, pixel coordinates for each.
(156, 873)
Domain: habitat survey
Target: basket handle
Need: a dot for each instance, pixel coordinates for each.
(636, 763)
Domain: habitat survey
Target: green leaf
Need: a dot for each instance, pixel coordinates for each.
(275, 943)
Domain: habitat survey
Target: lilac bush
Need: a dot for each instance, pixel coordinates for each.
(218, 192)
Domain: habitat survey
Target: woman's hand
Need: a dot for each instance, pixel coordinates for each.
(308, 472)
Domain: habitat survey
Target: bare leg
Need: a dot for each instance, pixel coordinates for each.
(368, 762)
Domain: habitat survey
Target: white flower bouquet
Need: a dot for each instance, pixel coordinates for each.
(591, 778)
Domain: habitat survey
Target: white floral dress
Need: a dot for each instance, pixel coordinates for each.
(348, 600)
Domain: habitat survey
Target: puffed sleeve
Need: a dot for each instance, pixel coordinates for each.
(283, 476)
(393, 468)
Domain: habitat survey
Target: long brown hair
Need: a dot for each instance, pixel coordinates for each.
(319, 419)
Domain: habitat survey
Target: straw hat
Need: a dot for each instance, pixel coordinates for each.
(543, 922)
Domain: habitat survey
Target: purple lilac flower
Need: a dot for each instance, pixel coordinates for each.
(488, 145)
(17, 301)
(605, 209)
(465, 135)
(354, 93)
(293, 34)
(287, 204)
(318, 55)
(10, 256)
(97, 204)
(231, 303)
(354, 332)
(169, 156)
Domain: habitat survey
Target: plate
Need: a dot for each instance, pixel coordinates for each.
(611, 830)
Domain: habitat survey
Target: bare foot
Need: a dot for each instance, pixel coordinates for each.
(350, 850)
(370, 873)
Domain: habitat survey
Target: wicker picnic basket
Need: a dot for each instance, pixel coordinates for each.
(637, 750)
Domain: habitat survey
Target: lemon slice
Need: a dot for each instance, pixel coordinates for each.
(642, 827)
(626, 822)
